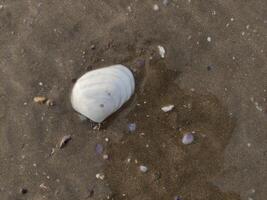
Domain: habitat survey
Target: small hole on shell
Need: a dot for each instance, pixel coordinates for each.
(102, 105)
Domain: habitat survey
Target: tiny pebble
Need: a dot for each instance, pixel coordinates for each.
(177, 198)
(156, 7)
(209, 39)
(188, 138)
(107, 139)
(1, 7)
(232, 19)
(143, 168)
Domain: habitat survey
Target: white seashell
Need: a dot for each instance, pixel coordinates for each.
(101, 92)
(167, 108)
(161, 51)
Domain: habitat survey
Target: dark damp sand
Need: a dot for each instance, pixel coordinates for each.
(218, 89)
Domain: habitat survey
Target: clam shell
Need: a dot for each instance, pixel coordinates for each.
(101, 92)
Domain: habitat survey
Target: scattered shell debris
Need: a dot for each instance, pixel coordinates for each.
(63, 142)
(167, 108)
(161, 51)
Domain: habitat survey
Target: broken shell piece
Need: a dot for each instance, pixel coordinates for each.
(143, 168)
(100, 176)
(39, 99)
(99, 93)
(188, 138)
(161, 51)
(167, 108)
(65, 139)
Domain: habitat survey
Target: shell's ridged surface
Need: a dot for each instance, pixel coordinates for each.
(99, 93)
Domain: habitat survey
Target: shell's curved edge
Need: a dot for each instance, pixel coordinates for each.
(99, 93)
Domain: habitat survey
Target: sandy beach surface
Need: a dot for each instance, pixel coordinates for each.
(214, 72)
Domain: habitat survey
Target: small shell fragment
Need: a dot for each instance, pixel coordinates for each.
(143, 168)
(188, 138)
(100, 176)
(39, 99)
(65, 139)
(167, 108)
(155, 7)
(161, 51)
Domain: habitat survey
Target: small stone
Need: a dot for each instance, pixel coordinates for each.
(143, 168)
(100, 176)
(23, 191)
(39, 99)
(40, 83)
(188, 138)
(1, 7)
(155, 7)
(107, 139)
(167, 108)
(232, 19)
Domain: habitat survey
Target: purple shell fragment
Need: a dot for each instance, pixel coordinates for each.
(188, 138)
